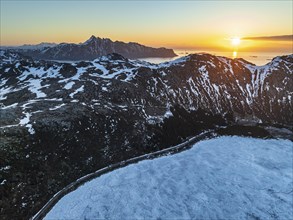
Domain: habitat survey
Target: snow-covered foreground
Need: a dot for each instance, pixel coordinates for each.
(221, 178)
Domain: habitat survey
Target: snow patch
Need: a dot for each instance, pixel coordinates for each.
(80, 89)
(35, 86)
(25, 122)
(9, 106)
(69, 85)
(57, 107)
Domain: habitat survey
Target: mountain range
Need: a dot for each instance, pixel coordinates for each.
(60, 121)
(90, 49)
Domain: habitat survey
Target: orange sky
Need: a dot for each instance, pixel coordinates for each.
(201, 25)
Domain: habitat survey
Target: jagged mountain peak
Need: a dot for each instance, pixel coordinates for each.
(93, 48)
(93, 37)
(90, 40)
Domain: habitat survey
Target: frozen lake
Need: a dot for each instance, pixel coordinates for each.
(221, 178)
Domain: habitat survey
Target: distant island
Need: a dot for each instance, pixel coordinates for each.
(90, 49)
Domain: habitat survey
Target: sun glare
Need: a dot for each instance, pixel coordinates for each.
(235, 41)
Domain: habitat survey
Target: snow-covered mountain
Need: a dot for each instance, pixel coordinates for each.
(91, 49)
(73, 118)
(214, 84)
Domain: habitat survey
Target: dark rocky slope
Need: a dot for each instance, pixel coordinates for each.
(91, 49)
(60, 121)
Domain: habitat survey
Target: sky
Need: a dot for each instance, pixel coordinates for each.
(199, 25)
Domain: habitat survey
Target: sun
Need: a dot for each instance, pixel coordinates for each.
(235, 41)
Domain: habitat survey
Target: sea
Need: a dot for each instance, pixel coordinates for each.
(258, 58)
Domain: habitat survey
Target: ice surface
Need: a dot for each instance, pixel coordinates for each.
(221, 178)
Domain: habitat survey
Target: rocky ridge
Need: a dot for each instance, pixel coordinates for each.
(90, 50)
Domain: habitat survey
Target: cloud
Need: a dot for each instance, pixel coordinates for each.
(271, 38)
